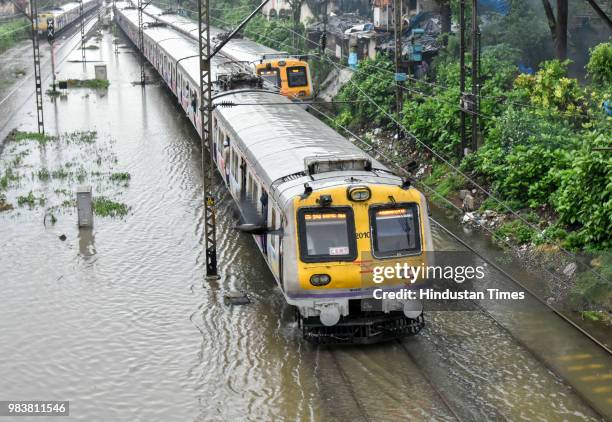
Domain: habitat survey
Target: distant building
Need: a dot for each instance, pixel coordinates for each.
(7, 8)
(383, 13)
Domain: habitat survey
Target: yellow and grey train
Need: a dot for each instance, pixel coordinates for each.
(62, 16)
(289, 74)
(330, 213)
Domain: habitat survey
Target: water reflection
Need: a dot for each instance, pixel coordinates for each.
(87, 240)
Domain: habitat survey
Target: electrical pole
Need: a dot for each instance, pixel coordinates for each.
(210, 236)
(400, 77)
(462, 99)
(141, 44)
(37, 79)
(475, 66)
(82, 32)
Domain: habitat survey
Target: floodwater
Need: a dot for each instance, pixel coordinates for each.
(120, 320)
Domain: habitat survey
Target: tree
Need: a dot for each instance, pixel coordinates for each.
(445, 15)
(296, 12)
(558, 26)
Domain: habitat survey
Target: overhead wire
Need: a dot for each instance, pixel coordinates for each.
(447, 162)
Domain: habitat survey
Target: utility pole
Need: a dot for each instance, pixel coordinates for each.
(82, 32)
(462, 99)
(210, 236)
(475, 66)
(400, 76)
(37, 79)
(141, 44)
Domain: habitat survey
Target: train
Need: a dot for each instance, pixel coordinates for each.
(62, 16)
(323, 213)
(289, 74)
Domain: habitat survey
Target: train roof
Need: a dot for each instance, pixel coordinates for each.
(243, 50)
(277, 138)
(60, 10)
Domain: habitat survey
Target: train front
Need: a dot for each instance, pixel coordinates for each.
(357, 243)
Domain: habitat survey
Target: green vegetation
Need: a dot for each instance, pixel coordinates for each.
(105, 207)
(41, 138)
(443, 182)
(43, 174)
(13, 32)
(516, 231)
(121, 178)
(30, 200)
(544, 138)
(595, 291)
(88, 83)
(85, 136)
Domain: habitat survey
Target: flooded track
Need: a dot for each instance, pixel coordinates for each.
(121, 322)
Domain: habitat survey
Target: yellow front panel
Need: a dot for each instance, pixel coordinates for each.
(358, 273)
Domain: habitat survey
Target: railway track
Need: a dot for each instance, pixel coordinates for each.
(21, 93)
(563, 365)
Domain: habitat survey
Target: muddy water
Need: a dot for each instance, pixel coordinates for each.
(120, 320)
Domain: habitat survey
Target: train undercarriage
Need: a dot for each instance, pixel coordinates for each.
(361, 328)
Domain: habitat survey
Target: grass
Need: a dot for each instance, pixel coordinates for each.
(85, 136)
(8, 177)
(43, 174)
(516, 231)
(121, 177)
(444, 182)
(60, 174)
(41, 138)
(13, 32)
(105, 207)
(31, 200)
(88, 83)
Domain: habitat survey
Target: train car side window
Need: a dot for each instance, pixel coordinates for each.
(395, 230)
(296, 76)
(327, 234)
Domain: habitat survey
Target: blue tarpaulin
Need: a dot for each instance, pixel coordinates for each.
(499, 6)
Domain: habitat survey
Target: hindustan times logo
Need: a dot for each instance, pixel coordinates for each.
(412, 273)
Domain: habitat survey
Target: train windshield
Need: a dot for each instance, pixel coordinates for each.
(395, 230)
(327, 235)
(296, 76)
(270, 76)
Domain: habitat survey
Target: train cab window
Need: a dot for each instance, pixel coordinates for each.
(327, 235)
(395, 230)
(296, 76)
(271, 76)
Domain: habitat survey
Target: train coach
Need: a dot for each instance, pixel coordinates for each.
(289, 74)
(326, 213)
(63, 16)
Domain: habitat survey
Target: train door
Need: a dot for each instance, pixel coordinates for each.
(243, 181)
(279, 240)
(264, 212)
(271, 241)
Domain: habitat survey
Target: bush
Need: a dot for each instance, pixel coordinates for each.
(599, 68)
(372, 79)
(584, 197)
(516, 231)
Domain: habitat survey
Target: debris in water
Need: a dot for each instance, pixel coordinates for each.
(62, 237)
(236, 298)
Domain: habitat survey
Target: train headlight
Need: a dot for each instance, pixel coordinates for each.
(320, 280)
(359, 193)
